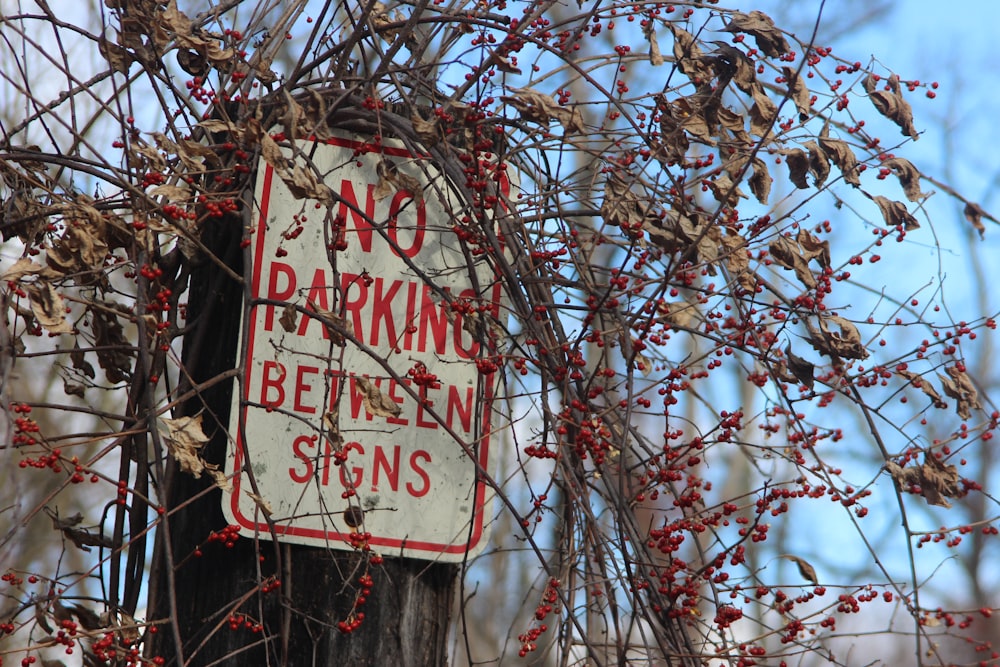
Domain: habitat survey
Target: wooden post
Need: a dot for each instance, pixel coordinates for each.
(221, 608)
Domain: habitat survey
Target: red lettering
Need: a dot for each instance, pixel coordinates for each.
(357, 399)
(349, 208)
(297, 448)
(415, 466)
(267, 383)
(302, 388)
(459, 332)
(355, 295)
(278, 269)
(411, 315)
(319, 292)
(382, 312)
(424, 402)
(432, 319)
(394, 395)
(359, 473)
(395, 206)
(455, 406)
(382, 463)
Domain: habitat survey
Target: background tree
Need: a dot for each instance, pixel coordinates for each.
(698, 354)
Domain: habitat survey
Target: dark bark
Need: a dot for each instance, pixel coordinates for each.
(407, 611)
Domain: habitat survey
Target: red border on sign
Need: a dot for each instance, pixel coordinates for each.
(320, 536)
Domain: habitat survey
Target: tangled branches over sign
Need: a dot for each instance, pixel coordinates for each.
(593, 293)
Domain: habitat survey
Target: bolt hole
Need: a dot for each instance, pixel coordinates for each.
(353, 516)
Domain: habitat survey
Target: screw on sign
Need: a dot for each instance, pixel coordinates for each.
(363, 411)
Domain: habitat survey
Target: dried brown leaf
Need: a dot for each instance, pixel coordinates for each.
(542, 108)
(119, 59)
(819, 163)
(802, 370)
(738, 67)
(895, 213)
(925, 386)
(114, 353)
(621, 206)
(391, 179)
(682, 314)
(726, 191)
(87, 618)
(798, 166)
(786, 253)
(692, 119)
(974, 213)
(807, 571)
(688, 56)
(185, 438)
(300, 181)
(813, 248)
(427, 131)
(959, 386)
(737, 260)
(908, 177)
(655, 57)
(375, 403)
(760, 181)
(261, 504)
(84, 539)
(26, 267)
(935, 479)
(48, 307)
(289, 318)
(334, 325)
(73, 388)
(79, 361)
(188, 36)
(890, 103)
(769, 38)
(843, 343)
(842, 156)
(799, 92)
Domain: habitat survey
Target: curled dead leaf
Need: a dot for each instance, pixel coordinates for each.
(261, 504)
(769, 37)
(890, 103)
(924, 385)
(842, 156)
(807, 571)
(908, 177)
(974, 213)
(935, 480)
(894, 213)
(48, 307)
(375, 403)
(798, 166)
(26, 267)
(760, 181)
(802, 370)
(427, 131)
(787, 253)
(391, 179)
(799, 92)
(655, 57)
(333, 325)
(819, 163)
(541, 108)
(289, 318)
(958, 385)
(843, 343)
(185, 438)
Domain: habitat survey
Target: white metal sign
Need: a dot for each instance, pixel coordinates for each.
(403, 478)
